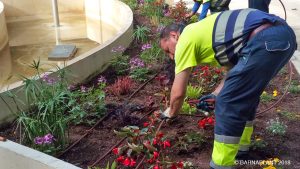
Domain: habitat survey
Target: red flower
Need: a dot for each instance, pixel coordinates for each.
(180, 164)
(132, 163)
(156, 167)
(160, 135)
(127, 162)
(150, 161)
(202, 123)
(155, 141)
(120, 159)
(204, 68)
(173, 166)
(211, 120)
(115, 151)
(166, 144)
(155, 154)
(146, 124)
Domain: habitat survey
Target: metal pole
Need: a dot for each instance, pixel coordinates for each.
(55, 13)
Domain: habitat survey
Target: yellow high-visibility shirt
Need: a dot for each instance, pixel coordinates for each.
(194, 46)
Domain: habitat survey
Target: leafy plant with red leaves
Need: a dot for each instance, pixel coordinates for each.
(145, 141)
(122, 86)
(178, 11)
(208, 77)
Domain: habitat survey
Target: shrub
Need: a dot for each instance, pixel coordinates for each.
(139, 74)
(258, 144)
(122, 86)
(295, 89)
(178, 11)
(141, 33)
(275, 127)
(193, 92)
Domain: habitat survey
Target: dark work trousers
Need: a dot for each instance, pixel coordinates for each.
(261, 59)
(262, 5)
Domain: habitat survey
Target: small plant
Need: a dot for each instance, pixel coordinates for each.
(141, 33)
(275, 127)
(139, 74)
(295, 89)
(122, 86)
(258, 144)
(193, 92)
(108, 166)
(187, 109)
(120, 64)
(265, 97)
(288, 115)
(152, 55)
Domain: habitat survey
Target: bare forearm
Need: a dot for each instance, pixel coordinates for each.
(175, 104)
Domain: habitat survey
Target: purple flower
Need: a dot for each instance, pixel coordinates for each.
(83, 89)
(71, 87)
(146, 46)
(141, 2)
(48, 80)
(160, 28)
(118, 49)
(39, 140)
(101, 79)
(48, 138)
(136, 63)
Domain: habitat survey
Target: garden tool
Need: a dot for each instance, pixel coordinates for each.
(2, 139)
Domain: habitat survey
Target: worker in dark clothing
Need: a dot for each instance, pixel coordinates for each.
(262, 5)
(219, 5)
(253, 46)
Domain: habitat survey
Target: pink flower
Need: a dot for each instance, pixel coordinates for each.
(39, 140)
(48, 138)
(146, 46)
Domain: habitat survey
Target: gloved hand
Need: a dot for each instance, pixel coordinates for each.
(207, 102)
(166, 115)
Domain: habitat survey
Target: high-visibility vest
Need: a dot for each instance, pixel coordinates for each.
(232, 29)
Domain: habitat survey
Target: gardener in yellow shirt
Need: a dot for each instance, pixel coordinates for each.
(253, 46)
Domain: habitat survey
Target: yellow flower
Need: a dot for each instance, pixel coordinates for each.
(270, 167)
(276, 160)
(258, 139)
(278, 110)
(264, 92)
(275, 93)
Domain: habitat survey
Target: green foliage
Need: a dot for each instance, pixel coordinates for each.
(194, 137)
(91, 106)
(265, 97)
(193, 92)
(258, 144)
(275, 127)
(288, 115)
(187, 109)
(49, 100)
(141, 33)
(108, 166)
(131, 3)
(120, 64)
(153, 55)
(295, 89)
(139, 74)
(154, 10)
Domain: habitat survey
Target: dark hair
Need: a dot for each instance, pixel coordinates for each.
(165, 32)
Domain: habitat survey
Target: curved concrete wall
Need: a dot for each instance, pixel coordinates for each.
(23, 8)
(87, 65)
(5, 57)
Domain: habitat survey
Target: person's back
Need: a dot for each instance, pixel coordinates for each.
(262, 5)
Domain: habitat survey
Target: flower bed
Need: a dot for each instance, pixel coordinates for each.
(147, 142)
